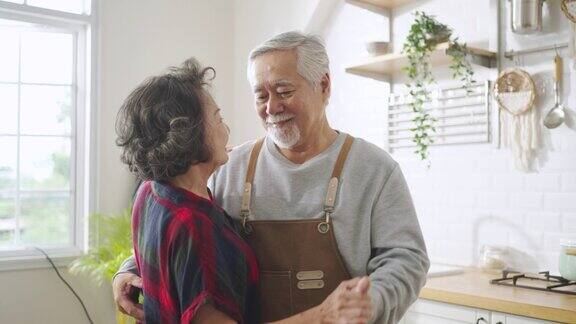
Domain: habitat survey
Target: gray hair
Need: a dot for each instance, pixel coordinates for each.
(312, 59)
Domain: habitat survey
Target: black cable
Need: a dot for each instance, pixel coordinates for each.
(66, 283)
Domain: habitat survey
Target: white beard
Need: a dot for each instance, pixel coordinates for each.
(286, 136)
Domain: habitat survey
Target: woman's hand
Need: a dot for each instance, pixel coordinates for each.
(123, 288)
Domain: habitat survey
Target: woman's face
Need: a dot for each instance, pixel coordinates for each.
(217, 131)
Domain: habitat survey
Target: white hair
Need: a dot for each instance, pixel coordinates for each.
(312, 59)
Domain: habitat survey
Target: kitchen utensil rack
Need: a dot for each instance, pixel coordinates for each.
(512, 53)
(462, 116)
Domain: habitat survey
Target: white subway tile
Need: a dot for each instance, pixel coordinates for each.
(455, 215)
(525, 239)
(493, 200)
(560, 162)
(479, 181)
(568, 182)
(509, 218)
(458, 199)
(560, 202)
(544, 221)
(568, 143)
(507, 182)
(543, 182)
(552, 240)
(459, 232)
(569, 222)
(492, 234)
(434, 231)
(493, 164)
(453, 165)
(458, 253)
(532, 201)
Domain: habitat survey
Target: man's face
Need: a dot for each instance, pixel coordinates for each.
(288, 105)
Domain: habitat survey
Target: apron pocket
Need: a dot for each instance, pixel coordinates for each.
(276, 295)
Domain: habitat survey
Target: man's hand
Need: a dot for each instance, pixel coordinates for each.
(123, 288)
(349, 303)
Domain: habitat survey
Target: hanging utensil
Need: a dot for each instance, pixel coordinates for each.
(526, 16)
(555, 116)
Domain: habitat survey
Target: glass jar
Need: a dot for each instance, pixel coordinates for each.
(567, 262)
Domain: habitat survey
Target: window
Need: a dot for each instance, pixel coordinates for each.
(45, 99)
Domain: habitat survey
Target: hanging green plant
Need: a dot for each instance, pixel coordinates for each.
(424, 36)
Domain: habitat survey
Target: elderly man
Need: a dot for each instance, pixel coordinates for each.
(317, 206)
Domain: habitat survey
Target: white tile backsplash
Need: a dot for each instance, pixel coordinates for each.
(471, 195)
(542, 182)
(568, 224)
(568, 182)
(560, 202)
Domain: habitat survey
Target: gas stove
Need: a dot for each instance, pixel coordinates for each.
(543, 281)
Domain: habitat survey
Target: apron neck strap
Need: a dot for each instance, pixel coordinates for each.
(332, 186)
(330, 200)
(245, 208)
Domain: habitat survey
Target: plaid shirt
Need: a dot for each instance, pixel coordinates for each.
(189, 253)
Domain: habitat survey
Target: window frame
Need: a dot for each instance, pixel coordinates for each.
(83, 134)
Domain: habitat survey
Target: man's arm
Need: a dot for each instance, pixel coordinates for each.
(129, 265)
(398, 262)
(124, 284)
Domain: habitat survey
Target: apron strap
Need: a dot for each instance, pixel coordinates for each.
(332, 186)
(330, 200)
(246, 194)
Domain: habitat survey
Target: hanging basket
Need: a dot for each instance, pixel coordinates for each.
(569, 8)
(514, 91)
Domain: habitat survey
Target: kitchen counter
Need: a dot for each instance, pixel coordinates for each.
(472, 288)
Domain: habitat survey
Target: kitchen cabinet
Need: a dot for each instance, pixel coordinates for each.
(501, 318)
(432, 312)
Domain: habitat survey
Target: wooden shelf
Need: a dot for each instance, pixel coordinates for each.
(384, 4)
(390, 64)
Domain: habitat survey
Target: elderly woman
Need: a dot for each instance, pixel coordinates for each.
(194, 265)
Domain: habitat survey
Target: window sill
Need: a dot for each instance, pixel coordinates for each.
(36, 260)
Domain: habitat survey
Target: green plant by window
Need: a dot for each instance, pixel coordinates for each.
(110, 245)
(424, 35)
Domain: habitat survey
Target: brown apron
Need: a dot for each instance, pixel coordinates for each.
(300, 264)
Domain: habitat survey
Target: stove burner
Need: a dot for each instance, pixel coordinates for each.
(544, 281)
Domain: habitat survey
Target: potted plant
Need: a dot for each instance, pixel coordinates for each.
(424, 36)
(110, 244)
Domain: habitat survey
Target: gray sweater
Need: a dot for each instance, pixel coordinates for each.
(374, 221)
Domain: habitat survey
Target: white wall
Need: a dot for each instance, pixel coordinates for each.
(138, 38)
(142, 38)
(38, 296)
(472, 195)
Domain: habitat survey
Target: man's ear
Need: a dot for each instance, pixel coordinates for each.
(325, 83)
(325, 87)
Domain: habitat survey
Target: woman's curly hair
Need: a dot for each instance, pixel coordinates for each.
(161, 125)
